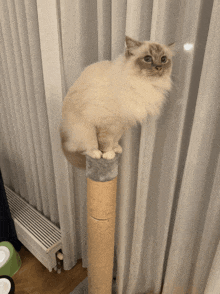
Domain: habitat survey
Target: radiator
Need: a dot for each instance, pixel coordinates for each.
(41, 237)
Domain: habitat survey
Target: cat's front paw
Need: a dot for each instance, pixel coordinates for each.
(118, 149)
(97, 154)
(109, 155)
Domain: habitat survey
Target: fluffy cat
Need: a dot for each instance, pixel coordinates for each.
(111, 96)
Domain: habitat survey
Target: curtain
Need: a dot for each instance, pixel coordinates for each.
(167, 220)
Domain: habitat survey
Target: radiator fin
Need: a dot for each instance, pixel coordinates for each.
(42, 229)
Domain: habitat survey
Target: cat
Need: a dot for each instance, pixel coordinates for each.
(109, 97)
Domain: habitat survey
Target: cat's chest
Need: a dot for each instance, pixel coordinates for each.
(141, 99)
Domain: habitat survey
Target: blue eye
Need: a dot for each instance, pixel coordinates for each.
(163, 59)
(148, 58)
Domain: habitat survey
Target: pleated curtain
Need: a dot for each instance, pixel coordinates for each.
(168, 207)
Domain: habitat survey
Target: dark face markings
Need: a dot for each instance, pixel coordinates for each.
(155, 49)
(156, 52)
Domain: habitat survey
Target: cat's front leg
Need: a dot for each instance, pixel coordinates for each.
(108, 140)
(117, 148)
(106, 144)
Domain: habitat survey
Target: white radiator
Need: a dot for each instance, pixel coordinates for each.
(41, 237)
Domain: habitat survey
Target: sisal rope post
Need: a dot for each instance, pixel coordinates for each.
(101, 208)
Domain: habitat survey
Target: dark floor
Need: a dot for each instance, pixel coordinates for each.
(34, 278)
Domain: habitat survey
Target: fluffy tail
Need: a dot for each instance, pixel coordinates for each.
(77, 159)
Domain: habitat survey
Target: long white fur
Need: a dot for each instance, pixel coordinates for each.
(118, 92)
(111, 95)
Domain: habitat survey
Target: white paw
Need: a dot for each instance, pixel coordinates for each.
(118, 149)
(109, 154)
(97, 154)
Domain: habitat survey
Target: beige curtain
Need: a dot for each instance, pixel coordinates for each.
(168, 220)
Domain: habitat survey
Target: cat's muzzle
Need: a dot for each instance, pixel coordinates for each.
(158, 67)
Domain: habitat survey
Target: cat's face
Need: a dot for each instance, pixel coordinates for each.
(150, 59)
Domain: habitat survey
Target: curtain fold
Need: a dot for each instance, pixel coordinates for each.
(198, 188)
(167, 215)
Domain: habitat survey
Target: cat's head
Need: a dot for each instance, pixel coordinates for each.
(150, 59)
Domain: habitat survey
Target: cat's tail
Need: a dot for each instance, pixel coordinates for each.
(77, 159)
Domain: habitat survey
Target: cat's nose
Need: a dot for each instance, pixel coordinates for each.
(158, 67)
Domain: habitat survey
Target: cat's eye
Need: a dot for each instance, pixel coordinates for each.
(148, 58)
(163, 59)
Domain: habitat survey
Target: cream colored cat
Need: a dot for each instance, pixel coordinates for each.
(111, 96)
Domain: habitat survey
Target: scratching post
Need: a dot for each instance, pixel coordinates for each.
(101, 208)
(101, 204)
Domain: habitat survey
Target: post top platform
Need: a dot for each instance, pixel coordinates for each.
(102, 170)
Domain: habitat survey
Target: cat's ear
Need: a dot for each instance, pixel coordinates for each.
(131, 43)
(172, 47)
